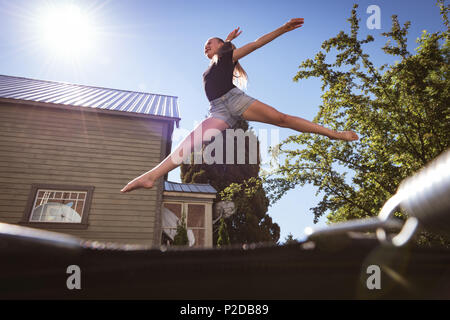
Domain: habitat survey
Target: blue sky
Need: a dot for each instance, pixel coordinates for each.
(157, 46)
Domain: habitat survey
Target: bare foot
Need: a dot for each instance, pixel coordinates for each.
(345, 135)
(144, 181)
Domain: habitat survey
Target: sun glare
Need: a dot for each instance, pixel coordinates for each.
(66, 30)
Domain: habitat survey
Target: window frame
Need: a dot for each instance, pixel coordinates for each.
(185, 209)
(58, 225)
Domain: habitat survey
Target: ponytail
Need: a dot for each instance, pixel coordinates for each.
(240, 78)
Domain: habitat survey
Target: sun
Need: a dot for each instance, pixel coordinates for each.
(66, 30)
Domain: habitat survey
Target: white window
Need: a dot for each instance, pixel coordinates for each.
(58, 206)
(195, 220)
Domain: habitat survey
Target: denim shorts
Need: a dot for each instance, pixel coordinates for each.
(230, 106)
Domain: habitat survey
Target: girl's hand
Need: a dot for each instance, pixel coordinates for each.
(234, 34)
(293, 24)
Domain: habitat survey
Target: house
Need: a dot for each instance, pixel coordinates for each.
(66, 150)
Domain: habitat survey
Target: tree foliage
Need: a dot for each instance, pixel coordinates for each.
(224, 238)
(399, 110)
(181, 237)
(290, 240)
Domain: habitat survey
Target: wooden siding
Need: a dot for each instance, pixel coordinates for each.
(73, 147)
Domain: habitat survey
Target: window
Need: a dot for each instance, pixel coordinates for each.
(58, 205)
(195, 220)
(196, 223)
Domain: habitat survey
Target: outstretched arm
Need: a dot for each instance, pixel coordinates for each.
(258, 43)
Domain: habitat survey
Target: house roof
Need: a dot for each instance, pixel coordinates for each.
(87, 96)
(189, 187)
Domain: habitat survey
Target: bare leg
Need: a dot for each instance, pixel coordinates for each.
(262, 112)
(173, 160)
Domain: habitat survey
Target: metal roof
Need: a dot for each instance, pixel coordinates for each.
(87, 96)
(189, 187)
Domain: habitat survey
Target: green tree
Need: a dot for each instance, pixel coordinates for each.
(290, 240)
(400, 111)
(181, 237)
(250, 223)
(224, 238)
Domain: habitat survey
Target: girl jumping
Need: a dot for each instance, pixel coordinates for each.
(228, 103)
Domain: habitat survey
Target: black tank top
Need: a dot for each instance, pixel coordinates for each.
(218, 78)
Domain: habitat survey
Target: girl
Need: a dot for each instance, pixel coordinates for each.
(228, 103)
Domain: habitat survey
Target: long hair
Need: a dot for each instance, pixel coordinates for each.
(240, 78)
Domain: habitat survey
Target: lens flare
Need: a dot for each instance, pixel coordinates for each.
(66, 30)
